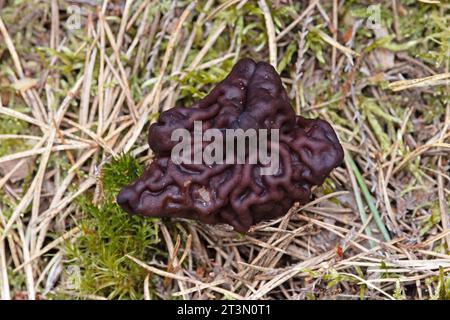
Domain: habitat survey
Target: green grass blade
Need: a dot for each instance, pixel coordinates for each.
(368, 198)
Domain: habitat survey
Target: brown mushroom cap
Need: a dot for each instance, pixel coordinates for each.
(250, 97)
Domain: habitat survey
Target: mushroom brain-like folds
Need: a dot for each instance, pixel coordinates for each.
(238, 193)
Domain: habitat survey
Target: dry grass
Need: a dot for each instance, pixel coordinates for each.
(73, 100)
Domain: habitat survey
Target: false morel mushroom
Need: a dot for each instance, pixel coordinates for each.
(239, 194)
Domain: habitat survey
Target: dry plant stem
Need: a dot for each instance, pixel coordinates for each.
(72, 233)
(335, 30)
(4, 282)
(434, 80)
(29, 95)
(283, 33)
(155, 95)
(123, 74)
(270, 33)
(173, 255)
(183, 278)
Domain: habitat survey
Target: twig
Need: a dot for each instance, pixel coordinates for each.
(270, 33)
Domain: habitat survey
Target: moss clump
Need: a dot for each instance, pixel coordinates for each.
(108, 235)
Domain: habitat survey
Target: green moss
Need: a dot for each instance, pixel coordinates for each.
(10, 125)
(108, 235)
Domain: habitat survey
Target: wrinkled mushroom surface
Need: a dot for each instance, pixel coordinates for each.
(250, 97)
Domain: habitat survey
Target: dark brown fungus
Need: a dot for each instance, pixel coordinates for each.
(250, 97)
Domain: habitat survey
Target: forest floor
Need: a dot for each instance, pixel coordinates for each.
(80, 82)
